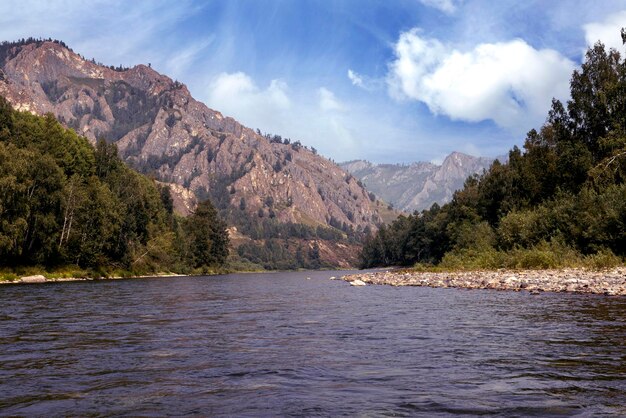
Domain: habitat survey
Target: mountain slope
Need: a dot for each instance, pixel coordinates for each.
(418, 185)
(162, 130)
(66, 203)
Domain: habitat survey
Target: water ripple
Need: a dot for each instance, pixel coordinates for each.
(278, 344)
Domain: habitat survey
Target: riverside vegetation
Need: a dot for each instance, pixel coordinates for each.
(286, 206)
(75, 210)
(560, 202)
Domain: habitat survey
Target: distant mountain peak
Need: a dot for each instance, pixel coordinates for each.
(418, 185)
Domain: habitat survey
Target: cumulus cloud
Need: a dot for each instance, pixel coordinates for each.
(226, 85)
(236, 93)
(318, 119)
(607, 31)
(277, 94)
(510, 83)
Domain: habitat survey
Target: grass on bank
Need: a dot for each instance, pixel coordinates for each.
(545, 255)
(234, 265)
(13, 274)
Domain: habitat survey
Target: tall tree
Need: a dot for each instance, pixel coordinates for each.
(206, 236)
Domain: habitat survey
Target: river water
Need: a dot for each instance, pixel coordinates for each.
(279, 345)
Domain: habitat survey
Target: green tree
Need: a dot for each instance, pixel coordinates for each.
(97, 223)
(565, 188)
(14, 208)
(43, 200)
(6, 119)
(62, 201)
(206, 236)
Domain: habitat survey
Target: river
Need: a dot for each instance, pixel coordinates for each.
(299, 344)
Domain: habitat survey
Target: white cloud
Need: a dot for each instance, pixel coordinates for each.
(327, 100)
(607, 31)
(365, 82)
(356, 79)
(510, 83)
(237, 95)
(277, 94)
(317, 120)
(238, 90)
(226, 85)
(446, 6)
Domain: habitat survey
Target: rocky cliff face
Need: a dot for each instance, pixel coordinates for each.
(160, 128)
(418, 185)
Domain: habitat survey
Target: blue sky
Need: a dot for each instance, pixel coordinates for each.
(387, 81)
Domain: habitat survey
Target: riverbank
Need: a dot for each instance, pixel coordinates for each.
(47, 278)
(39, 278)
(39, 274)
(608, 282)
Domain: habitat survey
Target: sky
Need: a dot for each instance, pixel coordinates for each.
(387, 81)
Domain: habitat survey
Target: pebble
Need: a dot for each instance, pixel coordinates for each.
(609, 282)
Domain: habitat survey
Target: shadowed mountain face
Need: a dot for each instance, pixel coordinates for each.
(418, 185)
(159, 128)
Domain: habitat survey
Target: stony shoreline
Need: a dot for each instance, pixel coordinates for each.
(42, 279)
(608, 282)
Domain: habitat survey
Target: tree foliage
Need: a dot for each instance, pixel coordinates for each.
(567, 186)
(63, 201)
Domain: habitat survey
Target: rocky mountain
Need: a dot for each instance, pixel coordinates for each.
(418, 185)
(260, 184)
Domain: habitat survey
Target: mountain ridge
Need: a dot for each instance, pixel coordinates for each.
(417, 185)
(160, 129)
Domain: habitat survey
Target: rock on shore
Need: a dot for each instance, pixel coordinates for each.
(33, 279)
(609, 282)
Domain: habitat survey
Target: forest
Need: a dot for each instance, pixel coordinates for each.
(66, 205)
(561, 201)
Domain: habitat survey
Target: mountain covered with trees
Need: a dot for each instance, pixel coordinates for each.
(64, 202)
(417, 186)
(285, 205)
(561, 198)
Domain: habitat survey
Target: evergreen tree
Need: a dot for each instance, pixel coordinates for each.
(566, 187)
(206, 236)
(64, 202)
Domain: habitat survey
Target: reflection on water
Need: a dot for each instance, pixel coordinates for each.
(278, 344)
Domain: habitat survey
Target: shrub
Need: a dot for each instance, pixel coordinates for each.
(524, 228)
(8, 276)
(545, 255)
(474, 259)
(603, 259)
(535, 258)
